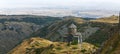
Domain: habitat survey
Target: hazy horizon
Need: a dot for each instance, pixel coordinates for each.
(60, 8)
(68, 4)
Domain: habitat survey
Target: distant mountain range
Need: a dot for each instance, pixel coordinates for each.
(59, 12)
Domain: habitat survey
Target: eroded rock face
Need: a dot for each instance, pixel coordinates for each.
(15, 28)
(12, 33)
(59, 30)
(112, 45)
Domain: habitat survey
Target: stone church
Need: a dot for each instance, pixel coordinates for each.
(72, 33)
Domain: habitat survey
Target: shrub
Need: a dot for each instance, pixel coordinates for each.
(59, 48)
(74, 47)
(75, 42)
(83, 51)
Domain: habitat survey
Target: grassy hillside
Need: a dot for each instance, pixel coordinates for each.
(106, 26)
(100, 35)
(96, 38)
(15, 28)
(41, 46)
(112, 45)
(39, 20)
(57, 29)
(111, 19)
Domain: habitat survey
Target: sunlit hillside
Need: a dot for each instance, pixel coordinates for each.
(50, 40)
(111, 19)
(41, 46)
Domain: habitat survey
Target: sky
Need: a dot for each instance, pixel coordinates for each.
(84, 4)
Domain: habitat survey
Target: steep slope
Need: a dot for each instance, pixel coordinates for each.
(59, 29)
(94, 32)
(38, 45)
(105, 29)
(15, 28)
(12, 33)
(112, 45)
(101, 35)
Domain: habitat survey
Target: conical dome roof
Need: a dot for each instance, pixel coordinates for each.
(72, 26)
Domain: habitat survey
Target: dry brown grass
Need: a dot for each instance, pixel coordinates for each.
(28, 44)
(48, 47)
(111, 19)
(112, 46)
(79, 20)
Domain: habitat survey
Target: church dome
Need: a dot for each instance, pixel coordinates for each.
(72, 26)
